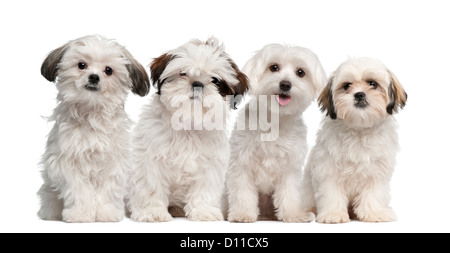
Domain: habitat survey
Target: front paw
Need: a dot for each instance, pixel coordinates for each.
(205, 214)
(151, 215)
(333, 217)
(78, 215)
(385, 215)
(298, 217)
(244, 217)
(109, 214)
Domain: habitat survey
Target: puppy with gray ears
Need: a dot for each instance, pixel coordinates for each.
(86, 164)
(267, 158)
(349, 168)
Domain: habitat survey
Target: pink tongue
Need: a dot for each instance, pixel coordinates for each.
(283, 100)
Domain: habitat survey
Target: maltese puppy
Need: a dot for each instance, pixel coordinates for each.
(350, 166)
(181, 148)
(86, 163)
(268, 145)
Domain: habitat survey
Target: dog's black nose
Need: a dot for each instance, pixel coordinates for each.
(360, 96)
(285, 85)
(197, 84)
(94, 78)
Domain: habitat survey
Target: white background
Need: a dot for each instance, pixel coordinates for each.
(410, 37)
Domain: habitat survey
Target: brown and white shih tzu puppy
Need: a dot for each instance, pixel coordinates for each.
(349, 168)
(86, 164)
(181, 148)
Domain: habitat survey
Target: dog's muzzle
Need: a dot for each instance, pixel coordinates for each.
(92, 85)
(198, 89)
(360, 100)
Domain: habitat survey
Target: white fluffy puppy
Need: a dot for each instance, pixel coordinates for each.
(181, 148)
(352, 162)
(268, 153)
(86, 162)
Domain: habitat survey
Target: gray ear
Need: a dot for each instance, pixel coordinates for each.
(138, 76)
(49, 68)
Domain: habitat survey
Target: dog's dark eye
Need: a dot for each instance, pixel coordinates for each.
(347, 85)
(274, 68)
(182, 74)
(300, 73)
(373, 84)
(108, 71)
(214, 80)
(82, 65)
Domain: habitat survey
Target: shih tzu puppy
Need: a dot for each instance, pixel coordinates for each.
(268, 144)
(86, 163)
(349, 168)
(181, 148)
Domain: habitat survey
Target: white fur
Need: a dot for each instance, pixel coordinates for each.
(354, 157)
(182, 168)
(259, 168)
(86, 162)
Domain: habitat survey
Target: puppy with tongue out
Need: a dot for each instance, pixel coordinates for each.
(284, 98)
(264, 173)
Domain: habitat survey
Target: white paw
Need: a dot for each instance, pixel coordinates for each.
(333, 217)
(109, 214)
(75, 214)
(298, 217)
(242, 217)
(151, 215)
(384, 215)
(205, 214)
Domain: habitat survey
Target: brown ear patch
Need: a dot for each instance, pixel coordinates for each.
(325, 99)
(397, 95)
(242, 86)
(237, 90)
(157, 67)
(138, 76)
(49, 68)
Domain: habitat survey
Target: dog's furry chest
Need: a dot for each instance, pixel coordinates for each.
(270, 160)
(190, 158)
(361, 153)
(184, 156)
(190, 153)
(89, 151)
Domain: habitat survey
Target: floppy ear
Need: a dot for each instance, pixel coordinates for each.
(242, 86)
(49, 68)
(397, 95)
(237, 90)
(157, 67)
(251, 68)
(325, 99)
(138, 75)
(320, 79)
